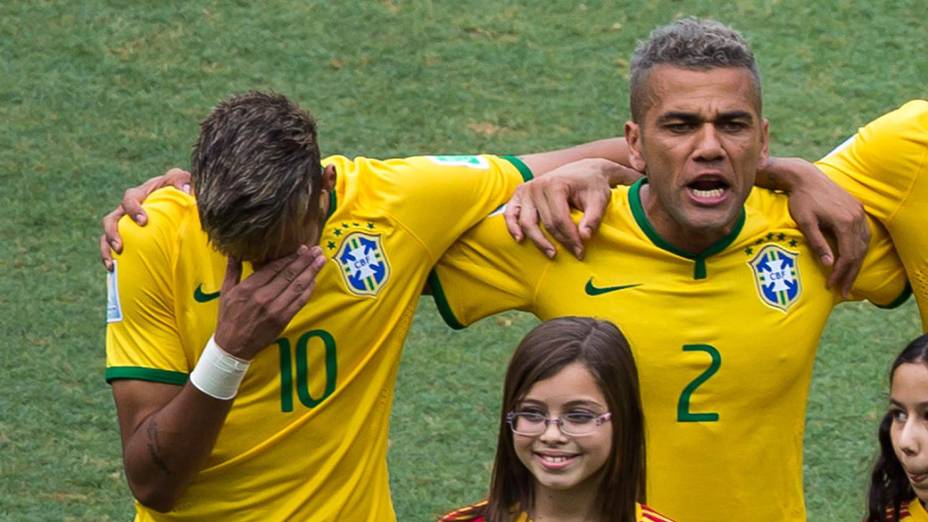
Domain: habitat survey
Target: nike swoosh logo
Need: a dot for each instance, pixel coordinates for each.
(202, 297)
(595, 290)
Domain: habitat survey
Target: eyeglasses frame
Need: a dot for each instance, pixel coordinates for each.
(599, 420)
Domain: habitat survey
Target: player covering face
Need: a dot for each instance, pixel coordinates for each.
(236, 401)
(571, 431)
(899, 482)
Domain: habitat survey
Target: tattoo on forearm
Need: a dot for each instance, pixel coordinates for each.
(153, 450)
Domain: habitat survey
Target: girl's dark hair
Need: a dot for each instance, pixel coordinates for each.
(889, 485)
(544, 352)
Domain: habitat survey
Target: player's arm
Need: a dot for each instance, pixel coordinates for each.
(882, 280)
(169, 431)
(825, 213)
(580, 177)
(614, 150)
(600, 163)
(131, 205)
(576, 177)
(483, 273)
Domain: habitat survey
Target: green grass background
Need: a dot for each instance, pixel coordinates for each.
(96, 96)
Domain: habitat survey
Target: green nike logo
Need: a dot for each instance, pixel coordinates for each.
(593, 290)
(202, 297)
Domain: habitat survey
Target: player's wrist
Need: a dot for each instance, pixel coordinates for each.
(789, 175)
(232, 343)
(218, 373)
(617, 174)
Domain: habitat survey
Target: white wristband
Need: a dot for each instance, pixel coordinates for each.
(217, 373)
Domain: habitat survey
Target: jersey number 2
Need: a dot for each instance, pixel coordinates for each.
(302, 369)
(683, 405)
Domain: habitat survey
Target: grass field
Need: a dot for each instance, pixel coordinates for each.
(96, 96)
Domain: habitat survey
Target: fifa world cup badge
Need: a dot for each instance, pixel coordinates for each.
(113, 309)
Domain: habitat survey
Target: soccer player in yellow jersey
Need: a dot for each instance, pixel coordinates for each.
(885, 166)
(235, 401)
(719, 294)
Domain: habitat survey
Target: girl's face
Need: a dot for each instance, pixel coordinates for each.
(556, 460)
(909, 431)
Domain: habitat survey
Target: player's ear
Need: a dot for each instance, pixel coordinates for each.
(328, 185)
(328, 177)
(765, 141)
(633, 138)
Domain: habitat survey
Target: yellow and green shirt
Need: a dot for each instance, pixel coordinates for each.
(306, 438)
(643, 513)
(915, 512)
(885, 166)
(724, 341)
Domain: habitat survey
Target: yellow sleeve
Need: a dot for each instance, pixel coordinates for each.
(486, 272)
(882, 279)
(438, 198)
(142, 340)
(880, 163)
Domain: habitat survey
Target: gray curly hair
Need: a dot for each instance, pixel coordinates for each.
(689, 43)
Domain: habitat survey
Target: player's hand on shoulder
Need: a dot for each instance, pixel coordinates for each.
(547, 200)
(253, 312)
(131, 204)
(833, 222)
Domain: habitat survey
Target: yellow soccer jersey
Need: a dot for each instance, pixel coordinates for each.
(885, 166)
(724, 341)
(643, 513)
(306, 438)
(914, 512)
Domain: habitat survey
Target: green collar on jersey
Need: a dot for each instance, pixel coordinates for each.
(332, 203)
(699, 267)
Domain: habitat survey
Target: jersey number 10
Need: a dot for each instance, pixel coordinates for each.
(302, 369)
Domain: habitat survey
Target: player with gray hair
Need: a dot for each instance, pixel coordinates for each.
(689, 43)
(718, 292)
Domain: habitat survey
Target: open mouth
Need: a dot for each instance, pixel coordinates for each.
(708, 189)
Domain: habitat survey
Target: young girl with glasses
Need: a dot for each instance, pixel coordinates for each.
(571, 439)
(899, 482)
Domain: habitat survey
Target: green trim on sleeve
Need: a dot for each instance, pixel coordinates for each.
(521, 167)
(333, 202)
(441, 301)
(115, 373)
(899, 301)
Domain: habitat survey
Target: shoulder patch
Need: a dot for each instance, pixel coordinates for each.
(474, 162)
(113, 310)
(363, 263)
(777, 276)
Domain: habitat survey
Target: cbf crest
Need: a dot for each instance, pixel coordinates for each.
(363, 263)
(777, 276)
